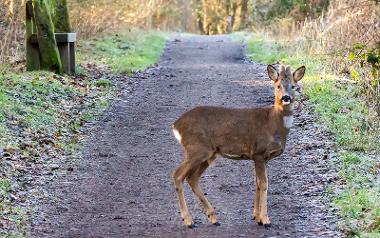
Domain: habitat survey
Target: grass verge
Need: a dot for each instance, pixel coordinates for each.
(340, 109)
(125, 52)
(41, 115)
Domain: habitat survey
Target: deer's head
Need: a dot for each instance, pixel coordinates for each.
(285, 83)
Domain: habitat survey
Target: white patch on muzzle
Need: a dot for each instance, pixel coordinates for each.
(177, 135)
(288, 121)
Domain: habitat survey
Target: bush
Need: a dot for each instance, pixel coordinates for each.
(298, 10)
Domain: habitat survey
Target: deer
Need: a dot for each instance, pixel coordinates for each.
(258, 134)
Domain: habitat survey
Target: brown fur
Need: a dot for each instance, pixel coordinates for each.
(257, 134)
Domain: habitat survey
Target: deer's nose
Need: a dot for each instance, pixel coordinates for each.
(286, 98)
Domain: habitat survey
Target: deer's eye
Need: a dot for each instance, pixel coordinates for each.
(278, 86)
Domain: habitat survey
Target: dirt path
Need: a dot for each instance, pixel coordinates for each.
(123, 186)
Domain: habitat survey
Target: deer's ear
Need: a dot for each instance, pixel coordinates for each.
(299, 73)
(272, 73)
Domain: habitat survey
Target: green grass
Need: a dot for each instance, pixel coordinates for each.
(344, 113)
(125, 52)
(359, 202)
(27, 100)
(30, 104)
(341, 110)
(43, 104)
(270, 52)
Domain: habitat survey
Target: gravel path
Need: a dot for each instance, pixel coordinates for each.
(123, 186)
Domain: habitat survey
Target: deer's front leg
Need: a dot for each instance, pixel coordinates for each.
(256, 205)
(261, 212)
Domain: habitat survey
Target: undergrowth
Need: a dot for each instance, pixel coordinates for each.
(341, 109)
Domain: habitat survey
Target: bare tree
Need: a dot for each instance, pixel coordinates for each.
(48, 49)
(222, 16)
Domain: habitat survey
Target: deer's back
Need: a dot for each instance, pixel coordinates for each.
(221, 127)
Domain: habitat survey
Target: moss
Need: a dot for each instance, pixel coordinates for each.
(60, 15)
(49, 53)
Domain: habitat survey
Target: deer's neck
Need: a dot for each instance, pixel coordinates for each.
(284, 114)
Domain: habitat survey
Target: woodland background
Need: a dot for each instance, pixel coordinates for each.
(331, 25)
(319, 26)
(346, 30)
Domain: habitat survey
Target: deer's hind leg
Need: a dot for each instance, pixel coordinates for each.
(179, 176)
(189, 166)
(193, 181)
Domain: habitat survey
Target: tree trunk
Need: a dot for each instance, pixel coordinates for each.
(222, 16)
(241, 14)
(32, 51)
(49, 53)
(238, 15)
(246, 12)
(60, 16)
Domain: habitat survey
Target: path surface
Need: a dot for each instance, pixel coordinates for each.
(123, 186)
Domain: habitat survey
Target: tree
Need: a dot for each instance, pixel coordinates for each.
(60, 15)
(49, 17)
(222, 16)
(240, 14)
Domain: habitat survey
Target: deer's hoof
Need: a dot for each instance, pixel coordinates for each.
(263, 221)
(212, 218)
(216, 223)
(191, 226)
(188, 222)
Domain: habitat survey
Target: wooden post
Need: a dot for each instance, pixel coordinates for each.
(66, 46)
(72, 57)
